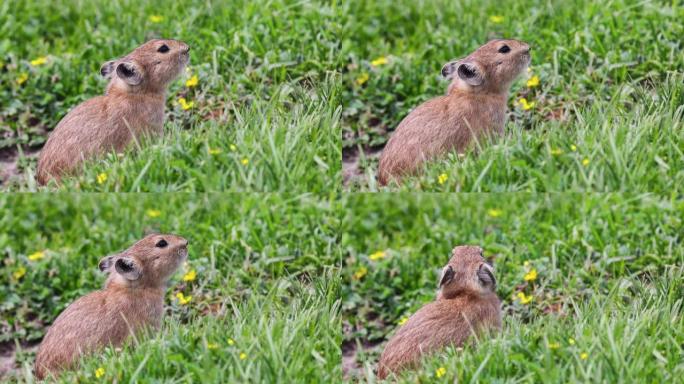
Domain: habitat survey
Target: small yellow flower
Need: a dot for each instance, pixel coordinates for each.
(377, 255)
(192, 82)
(441, 371)
(156, 18)
(529, 69)
(526, 263)
(243, 355)
(526, 105)
(190, 276)
(99, 372)
(524, 299)
(215, 151)
(441, 179)
(362, 79)
(36, 255)
(556, 151)
(19, 273)
(231, 341)
(101, 178)
(182, 299)
(554, 345)
(360, 273)
(39, 61)
(244, 161)
(585, 162)
(379, 61)
(212, 345)
(403, 320)
(494, 212)
(571, 341)
(573, 148)
(185, 104)
(233, 147)
(21, 79)
(153, 213)
(496, 19)
(533, 82)
(531, 275)
(584, 356)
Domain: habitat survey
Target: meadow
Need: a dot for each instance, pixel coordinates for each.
(591, 285)
(257, 110)
(603, 100)
(261, 282)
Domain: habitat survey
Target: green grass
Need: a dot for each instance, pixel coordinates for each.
(609, 277)
(268, 92)
(610, 85)
(267, 277)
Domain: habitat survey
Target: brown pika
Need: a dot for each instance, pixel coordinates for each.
(131, 301)
(466, 305)
(132, 107)
(474, 108)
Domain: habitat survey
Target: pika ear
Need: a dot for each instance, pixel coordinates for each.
(128, 268)
(129, 72)
(486, 275)
(449, 69)
(105, 264)
(107, 69)
(447, 275)
(470, 73)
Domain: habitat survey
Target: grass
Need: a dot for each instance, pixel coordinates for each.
(609, 283)
(266, 108)
(267, 277)
(610, 87)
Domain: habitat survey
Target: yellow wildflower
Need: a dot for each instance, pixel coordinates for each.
(554, 345)
(585, 162)
(212, 345)
(441, 179)
(244, 161)
(494, 212)
(101, 178)
(524, 299)
(360, 273)
(185, 104)
(571, 341)
(215, 151)
(377, 255)
(21, 79)
(533, 82)
(99, 372)
(529, 69)
(573, 147)
(231, 341)
(531, 275)
(39, 61)
(233, 147)
(362, 79)
(403, 320)
(556, 151)
(441, 371)
(526, 105)
(36, 255)
(379, 61)
(156, 18)
(153, 213)
(190, 276)
(526, 263)
(182, 299)
(19, 273)
(496, 19)
(584, 355)
(192, 82)
(243, 355)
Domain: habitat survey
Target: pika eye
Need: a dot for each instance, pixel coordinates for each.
(161, 243)
(504, 49)
(163, 49)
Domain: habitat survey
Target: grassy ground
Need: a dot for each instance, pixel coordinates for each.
(266, 107)
(607, 112)
(605, 305)
(267, 283)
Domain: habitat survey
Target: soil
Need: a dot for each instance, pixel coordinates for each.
(9, 157)
(351, 158)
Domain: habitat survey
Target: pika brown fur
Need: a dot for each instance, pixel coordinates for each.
(474, 108)
(131, 301)
(466, 305)
(132, 107)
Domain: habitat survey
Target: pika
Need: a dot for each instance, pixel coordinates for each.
(131, 301)
(474, 108)
(132, 107)
(466, 305)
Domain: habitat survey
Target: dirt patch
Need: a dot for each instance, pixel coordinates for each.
(8, 356)
(351, 161)
(9, 162)
(350, 350)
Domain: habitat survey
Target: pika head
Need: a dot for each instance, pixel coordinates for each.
(466, 272)
(491, 68)
(148, 263)
(150, 67)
